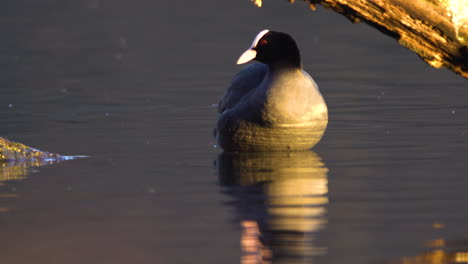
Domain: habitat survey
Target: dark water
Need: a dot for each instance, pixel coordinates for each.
(132, 85)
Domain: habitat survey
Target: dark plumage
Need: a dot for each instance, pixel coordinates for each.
(273, 104)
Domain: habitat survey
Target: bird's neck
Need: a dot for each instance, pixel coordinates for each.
(286, 65)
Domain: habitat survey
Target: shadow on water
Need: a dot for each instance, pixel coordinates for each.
(280, 202)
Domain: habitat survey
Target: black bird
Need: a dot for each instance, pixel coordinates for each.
(273, 104)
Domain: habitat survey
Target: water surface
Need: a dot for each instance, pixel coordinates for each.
(132, 85)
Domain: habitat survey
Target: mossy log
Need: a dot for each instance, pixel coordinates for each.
(437, 30)
(16, 159)
(14, 151)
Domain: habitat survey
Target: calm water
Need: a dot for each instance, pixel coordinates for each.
(132, 85)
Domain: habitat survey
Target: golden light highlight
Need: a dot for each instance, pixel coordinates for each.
(258, 3)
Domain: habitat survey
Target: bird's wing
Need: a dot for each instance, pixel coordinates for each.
(247, 80)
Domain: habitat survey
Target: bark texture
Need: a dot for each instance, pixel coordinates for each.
(437, 30)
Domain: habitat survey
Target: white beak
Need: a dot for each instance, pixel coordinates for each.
(247, 56)
(250, 54)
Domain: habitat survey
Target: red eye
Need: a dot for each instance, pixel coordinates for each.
(263, 42)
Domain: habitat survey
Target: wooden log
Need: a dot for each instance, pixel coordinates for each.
(437, 30)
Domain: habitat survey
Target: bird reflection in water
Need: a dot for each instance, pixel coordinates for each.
(280, 200)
